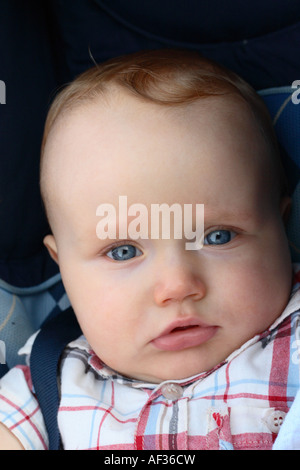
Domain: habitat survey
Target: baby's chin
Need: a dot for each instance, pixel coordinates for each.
(181, 374)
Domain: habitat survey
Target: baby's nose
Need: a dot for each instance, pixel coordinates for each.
(176, 283)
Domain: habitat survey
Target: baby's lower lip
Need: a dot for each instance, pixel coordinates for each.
(184, 338)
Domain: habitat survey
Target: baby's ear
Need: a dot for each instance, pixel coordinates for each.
(50, 244)
(285, 208)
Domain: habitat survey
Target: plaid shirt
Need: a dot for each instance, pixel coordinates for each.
(240, 404)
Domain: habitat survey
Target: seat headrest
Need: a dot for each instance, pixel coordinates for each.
(284, 106)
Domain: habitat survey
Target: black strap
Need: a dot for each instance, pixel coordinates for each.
(3, 370)
(47, 349)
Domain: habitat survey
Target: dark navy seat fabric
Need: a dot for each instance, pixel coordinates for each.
(29, 70)
(259, 40)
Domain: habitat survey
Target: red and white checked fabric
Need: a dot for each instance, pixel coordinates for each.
(240, 404)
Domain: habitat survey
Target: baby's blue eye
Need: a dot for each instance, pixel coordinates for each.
(123, 252)
(219, 237)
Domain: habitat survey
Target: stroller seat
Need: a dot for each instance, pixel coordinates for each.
(22, 312)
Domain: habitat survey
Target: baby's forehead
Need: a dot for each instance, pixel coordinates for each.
(122, 109)
(93, 138)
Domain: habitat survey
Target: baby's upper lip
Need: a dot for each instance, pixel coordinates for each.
(183, 323)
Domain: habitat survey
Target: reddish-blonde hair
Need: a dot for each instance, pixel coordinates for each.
(168, 78)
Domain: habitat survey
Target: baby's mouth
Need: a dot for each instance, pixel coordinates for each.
(177, 337)
(181, 328)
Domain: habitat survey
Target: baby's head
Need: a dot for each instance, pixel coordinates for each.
(166, 127)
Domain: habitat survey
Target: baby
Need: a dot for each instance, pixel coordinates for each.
(181, 348)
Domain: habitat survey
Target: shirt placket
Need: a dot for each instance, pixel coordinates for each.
(163, 421)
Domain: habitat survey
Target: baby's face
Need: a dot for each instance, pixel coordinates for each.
(150, 308)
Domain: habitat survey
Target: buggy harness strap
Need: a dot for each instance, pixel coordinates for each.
(47, 349)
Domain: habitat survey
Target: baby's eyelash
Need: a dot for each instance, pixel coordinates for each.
(230, 228)
(114, 245)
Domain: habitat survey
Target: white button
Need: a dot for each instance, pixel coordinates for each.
(274, 419)
(172, 391)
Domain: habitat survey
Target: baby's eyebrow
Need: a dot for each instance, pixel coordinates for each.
(227, 215)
